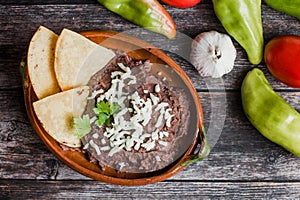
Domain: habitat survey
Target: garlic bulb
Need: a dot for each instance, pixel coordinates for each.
(213, 54)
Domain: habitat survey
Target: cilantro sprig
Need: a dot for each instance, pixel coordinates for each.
(104, 111)
(82, 126)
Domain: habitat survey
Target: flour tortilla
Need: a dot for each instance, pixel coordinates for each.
(40, 61)
(77, 59)
(57, 111)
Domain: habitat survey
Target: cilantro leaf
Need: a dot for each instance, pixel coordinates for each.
(102, 118)
(82, 126)
(114, 108)
(104, 111)
(103, 107)
(107, 122)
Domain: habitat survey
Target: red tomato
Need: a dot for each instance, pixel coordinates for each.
(181, 3)
(282, 57)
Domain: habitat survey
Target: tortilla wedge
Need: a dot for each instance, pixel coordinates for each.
(56, 114)
(40, 61)
(77, 59)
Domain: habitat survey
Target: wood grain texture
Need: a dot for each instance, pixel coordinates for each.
(243, 164)
(240, 154)
(41, 2)
(81, 17)
(19, 189)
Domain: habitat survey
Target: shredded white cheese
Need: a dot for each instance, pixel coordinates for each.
(149, 145)
(157, 158)
(154, 99)
(127, 132)
(162, 142)
(95, 93)
(168, 117)
(157, 88)
(154, 135)
(165, 133)
(137, 146)
(113, 151)
(103, 141)
(93, 119)
(129, 144)
(160, 106)
(122, 164)
(86, 146)
(144, 136)
(95, 146)
(105, 148)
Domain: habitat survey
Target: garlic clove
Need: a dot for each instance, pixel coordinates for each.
(213, 54)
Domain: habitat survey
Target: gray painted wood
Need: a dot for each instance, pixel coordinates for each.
(162, 190)
(243, 164)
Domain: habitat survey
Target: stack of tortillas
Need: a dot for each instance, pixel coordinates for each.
(59, 69)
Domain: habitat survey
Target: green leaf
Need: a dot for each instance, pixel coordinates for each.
(107, 122)
(102, 117)
(103, 107)
(96, 111)
(104, 111)
(114, 108)
(82, 126)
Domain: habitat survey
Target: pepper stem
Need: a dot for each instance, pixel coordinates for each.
(203, 152)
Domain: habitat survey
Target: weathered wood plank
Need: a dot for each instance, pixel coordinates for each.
(240, 154)
(243, 164)
(41, 2)
(15, 34)
(33, 2)
(272, 164)
(19, 189)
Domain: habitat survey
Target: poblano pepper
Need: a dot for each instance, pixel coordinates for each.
(290, 7)
(242, 20)
(270, 114)
(149, 14)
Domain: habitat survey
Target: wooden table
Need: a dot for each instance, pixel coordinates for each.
(243, 164)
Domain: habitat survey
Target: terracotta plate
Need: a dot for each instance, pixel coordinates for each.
(138, 49)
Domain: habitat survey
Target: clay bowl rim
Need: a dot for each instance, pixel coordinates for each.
(53, 146)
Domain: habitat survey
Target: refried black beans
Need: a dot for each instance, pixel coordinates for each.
(165, 138)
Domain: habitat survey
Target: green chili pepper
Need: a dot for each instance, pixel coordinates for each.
(202, 153)
(242, 20)
(290, 7)
(149, 14)
(270, 114)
